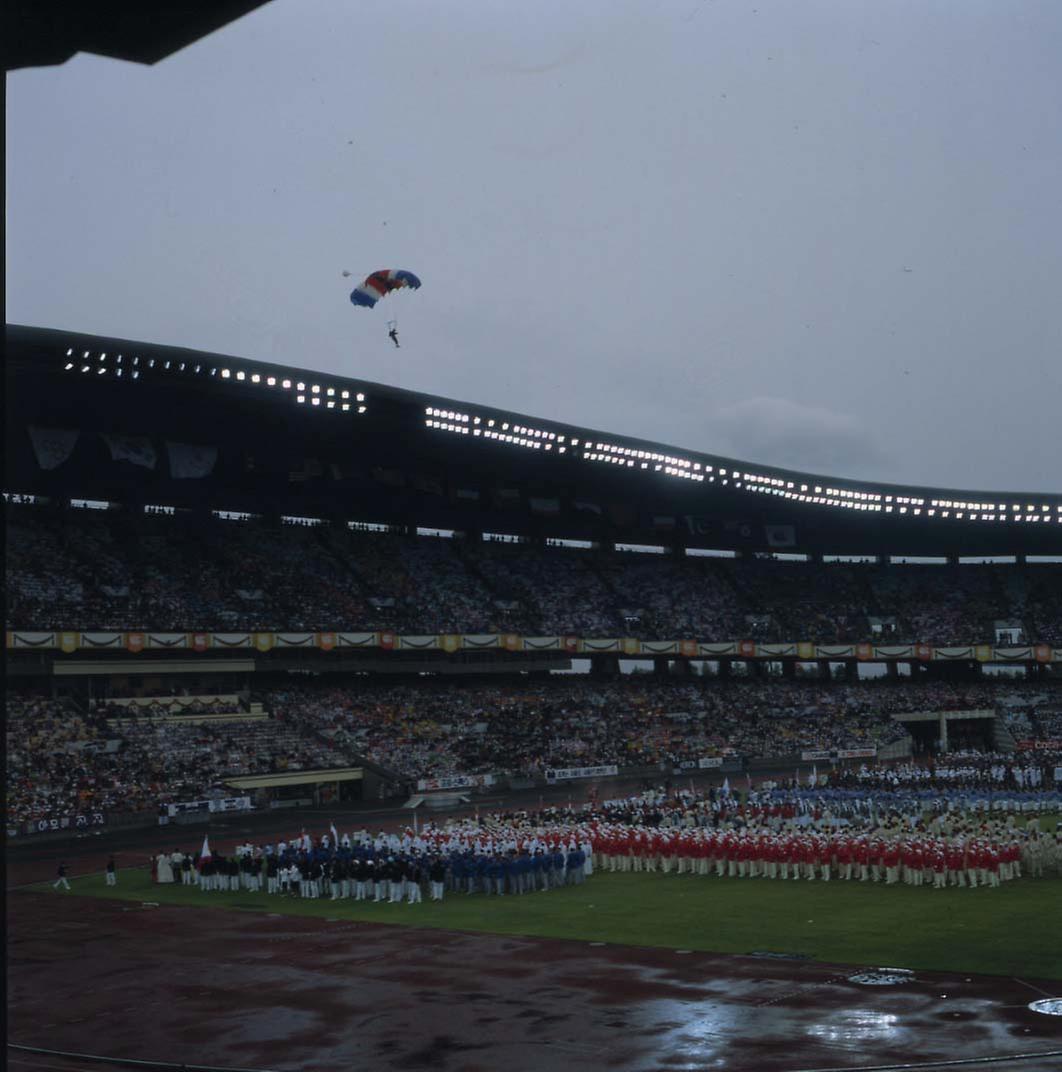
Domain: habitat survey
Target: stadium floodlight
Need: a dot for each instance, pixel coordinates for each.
(136, 374)
(330, 392)
(225, 374)
(345, 406)
(271, 381)
(300, 387)
(359, 397)
(255, 378)
(241, 376)
(68, 366)
(85, 368)
(70, 351)
(316, 389)
(300, 398)
(286, 384)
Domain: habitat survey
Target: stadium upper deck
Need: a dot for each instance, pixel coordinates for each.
(114, 420)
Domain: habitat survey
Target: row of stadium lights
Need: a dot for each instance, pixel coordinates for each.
(518, 435)
(609, 453)
(315, 394)
(862, 500)
(687, 469)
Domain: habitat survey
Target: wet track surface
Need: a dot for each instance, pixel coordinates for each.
(210, 986)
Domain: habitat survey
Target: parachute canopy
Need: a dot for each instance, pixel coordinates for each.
(380, 283)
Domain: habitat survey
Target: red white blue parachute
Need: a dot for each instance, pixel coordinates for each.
(382, 282)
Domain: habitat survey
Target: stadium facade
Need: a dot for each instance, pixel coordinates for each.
(286, 440)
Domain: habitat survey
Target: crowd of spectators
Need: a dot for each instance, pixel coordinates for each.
(116, 569)
(62, 761)
(523, 728)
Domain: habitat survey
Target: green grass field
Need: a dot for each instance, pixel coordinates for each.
(1013, 930)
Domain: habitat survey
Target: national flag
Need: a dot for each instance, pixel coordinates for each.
(813, 777)
(335, 836)
(780, 535)
(205, 852)
(726, 787)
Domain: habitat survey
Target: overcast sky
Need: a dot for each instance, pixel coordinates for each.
(825, 234)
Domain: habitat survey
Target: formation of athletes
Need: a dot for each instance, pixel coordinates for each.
(765, 835)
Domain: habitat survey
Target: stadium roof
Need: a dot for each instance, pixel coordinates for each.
(46, 32)
(292, 441)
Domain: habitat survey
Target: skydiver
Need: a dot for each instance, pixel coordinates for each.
(393, 336)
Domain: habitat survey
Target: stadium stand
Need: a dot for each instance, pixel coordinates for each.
(87, 569)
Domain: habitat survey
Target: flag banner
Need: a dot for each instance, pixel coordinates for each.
(711, 650)
(601, 645)
(482, 640)
(307, 469)
(840, 753)
(80, 821)
(417, 643)
(393, 478)
(428, 484)
(189, 462)
(547, 507)
(704, 763)
(53, 446)
(835, 651)
(355, 640)
(587, 507)
(204, 853)
(566, 774)
(467, 494)
(296, 640)
(507, 497)
(664, 522)
(167, 640)
(32, 640)
(542, 643)
(780, 535)
(101, 640)
(454, 781)
(777, 651)
(136, 450)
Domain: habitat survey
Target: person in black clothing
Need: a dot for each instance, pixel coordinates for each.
(393, 336)
(339, 878)
(112, 872)
(61, 880)
(437, 875)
